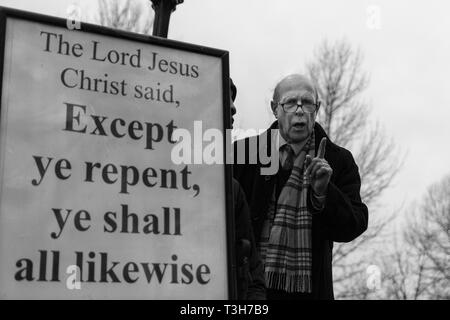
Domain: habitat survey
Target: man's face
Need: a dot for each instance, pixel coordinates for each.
(294, 127)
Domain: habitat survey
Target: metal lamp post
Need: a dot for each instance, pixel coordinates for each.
(163, 9)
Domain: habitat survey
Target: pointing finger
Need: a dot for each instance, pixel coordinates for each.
(311, 165)
(315, 166)
(322, 145)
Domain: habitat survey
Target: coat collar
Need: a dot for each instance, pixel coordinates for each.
(318, 131)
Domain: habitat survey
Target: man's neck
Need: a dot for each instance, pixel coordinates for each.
(296, 146)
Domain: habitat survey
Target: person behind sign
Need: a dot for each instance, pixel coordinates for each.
(312, 200)
(250, 273)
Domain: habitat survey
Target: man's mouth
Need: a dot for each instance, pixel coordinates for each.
(299, 125)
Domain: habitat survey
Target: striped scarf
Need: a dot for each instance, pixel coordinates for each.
(286, 243)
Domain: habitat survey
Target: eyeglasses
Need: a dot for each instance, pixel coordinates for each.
(292, 105)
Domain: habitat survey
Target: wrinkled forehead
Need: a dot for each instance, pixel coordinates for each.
(295, 87)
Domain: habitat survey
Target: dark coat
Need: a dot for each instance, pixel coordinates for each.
(250, 271)
(343, 219)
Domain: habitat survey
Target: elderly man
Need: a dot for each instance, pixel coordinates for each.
(311, 201)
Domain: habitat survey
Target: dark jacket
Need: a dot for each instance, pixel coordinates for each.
(343, 219)
(250, 272)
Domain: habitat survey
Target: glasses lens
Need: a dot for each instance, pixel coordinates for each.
(290, 106)
(307, 105)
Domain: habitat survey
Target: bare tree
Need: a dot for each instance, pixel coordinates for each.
(134, 16)
(428, 234)
(337, 72)
(403, 273)
(420, 267)
(350, 262)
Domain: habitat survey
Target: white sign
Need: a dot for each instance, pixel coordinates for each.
(91, 204)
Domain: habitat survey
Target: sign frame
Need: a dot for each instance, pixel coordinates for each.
(6, 13)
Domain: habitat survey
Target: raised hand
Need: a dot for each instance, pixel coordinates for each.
(319, 170)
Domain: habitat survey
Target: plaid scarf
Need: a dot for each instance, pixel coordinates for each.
(286, 238)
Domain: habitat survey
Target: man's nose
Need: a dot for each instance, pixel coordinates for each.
(299, 111)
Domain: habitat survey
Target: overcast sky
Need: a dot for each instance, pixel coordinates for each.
(406, 52)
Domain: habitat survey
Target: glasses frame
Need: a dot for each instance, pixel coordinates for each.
(316, 104)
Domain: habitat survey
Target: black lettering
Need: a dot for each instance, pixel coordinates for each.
(184, 69)
(76, 47)
(114, 131)
(164, 173)
(150, 138)
(55, 266)
(187, 273)
(156, 269)
(70, 117)
(79, 218)
(127, 271)
(105, 272)
(60, 220)
(194, 73)
(42, 265)
(91, 268)
(138, 91)
(152, 226)
(41, 169)
(98, 120)
(89, 169)
(184, 178)
(94, 53)
(173, 67)
(163, 63)
(114, 87)
(26, 270)
(63, 77)
(153, 64)
(62, 164)
(47, 42)
(79, 263)
(133, 127)
(174, 270)
(110, 221)
(170, 128)
(125, 217)
(106, 173)
(124, 181)
(200, 273)
(62, 43)
(146, 175)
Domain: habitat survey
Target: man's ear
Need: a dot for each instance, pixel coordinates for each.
(274, 106)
